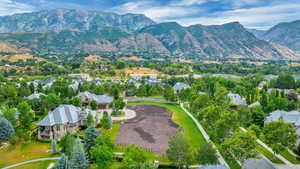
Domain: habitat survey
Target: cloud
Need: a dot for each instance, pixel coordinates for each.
(259, 17)
(9, 7)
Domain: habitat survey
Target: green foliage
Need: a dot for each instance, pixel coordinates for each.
(169, 94)
(118, 104)
(26, 116)
(103, 155)
(179, 152)
(93, 105)
(67, 143)
(106, 121)
(10, 115)
(279, 134)
(207, 154)
(91, 133)
(78, 158)
(242, 145)
(284, 81)
(133, 157)
(76, 102)
(6, 129)
(89, 120)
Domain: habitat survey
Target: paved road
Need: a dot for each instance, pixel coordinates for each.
(31, 161)
(205, 135)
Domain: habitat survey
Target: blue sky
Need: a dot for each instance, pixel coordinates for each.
(259, 14)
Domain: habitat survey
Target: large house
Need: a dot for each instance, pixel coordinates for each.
(288, 117)
(236, 99)
(63, 119)
(180, 86)
(102, 100)
(253, 163)
(35, 96)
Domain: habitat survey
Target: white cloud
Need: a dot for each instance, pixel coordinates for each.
(259, 17)
(9, 7)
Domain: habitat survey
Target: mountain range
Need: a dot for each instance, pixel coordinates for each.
(65, 32)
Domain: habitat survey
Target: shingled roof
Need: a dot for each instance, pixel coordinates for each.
(100, 99)
(214, 167)
(254, 163)
(288, 117)
(179, 86)
(61, 115)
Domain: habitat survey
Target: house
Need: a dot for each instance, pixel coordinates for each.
(48, 83)
(288, 117)
(35, 83)
(262, 84)
(257, 103)
(253, 163)
(102, 100)
(214, 167)
(35, 96)
(236, 99)
(74, 85)
(83, 76)
(63, 119)
(179, 86)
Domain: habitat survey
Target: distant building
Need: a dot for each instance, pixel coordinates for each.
(74, 85)
(48, 83)
(288, 117)
(35, 96)
(253, 163)
(102, 101)
(180, 86)
(262, 84)
(63, 119)
(141, 76)
(81, 76)
(257, 103)
(236, 99)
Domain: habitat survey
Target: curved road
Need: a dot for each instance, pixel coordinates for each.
(31, 161)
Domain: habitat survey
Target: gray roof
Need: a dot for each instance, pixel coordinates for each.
(61, 115)
(288, 117)
(214, 167)
(35, 96)
(257, 103)
(100, 99)
(253, 163)
(179, 86)
(236, 99)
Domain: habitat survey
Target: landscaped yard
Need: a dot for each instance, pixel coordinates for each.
(36, 165)
(24, 152)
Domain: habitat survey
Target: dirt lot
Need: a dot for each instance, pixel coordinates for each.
(151, 129)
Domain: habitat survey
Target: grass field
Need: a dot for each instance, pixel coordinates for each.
(23, 152)
(269, 155)
(36, 165)
(287, 155)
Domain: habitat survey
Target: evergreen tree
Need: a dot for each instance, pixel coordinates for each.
(106, 121)
(67, 143)
(89, 120)
(78, 158)
(91, 133)
(62, 163)
(6, 130)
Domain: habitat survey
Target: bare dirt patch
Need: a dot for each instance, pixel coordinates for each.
(151, 129)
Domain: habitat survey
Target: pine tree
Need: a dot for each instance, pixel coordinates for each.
(91, 134)
(6, 130)
(62, 163)
(78, 158)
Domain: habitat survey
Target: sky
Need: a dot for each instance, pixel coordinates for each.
(257, 14)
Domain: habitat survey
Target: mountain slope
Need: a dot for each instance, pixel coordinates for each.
(287, 34)
(71, 19)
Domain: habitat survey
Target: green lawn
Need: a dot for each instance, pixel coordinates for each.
(287, 155)
(269, 155)
(36, 165)
(23, 152)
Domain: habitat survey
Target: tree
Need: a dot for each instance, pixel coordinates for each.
(26, 116)
(94, 105)
(90, 120)
(103, 155)
(132, 157)
(62, 163)
(285, 81)
(67, 143)
(91, 133)
(207, 154)
(76, 102)
(179, 152)
(53, 143)
(242, 145)
(279, 135)
(258, 116)
(10, 115)
(6, 130)
(106, 121)
(169, 94)
(78, 158)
